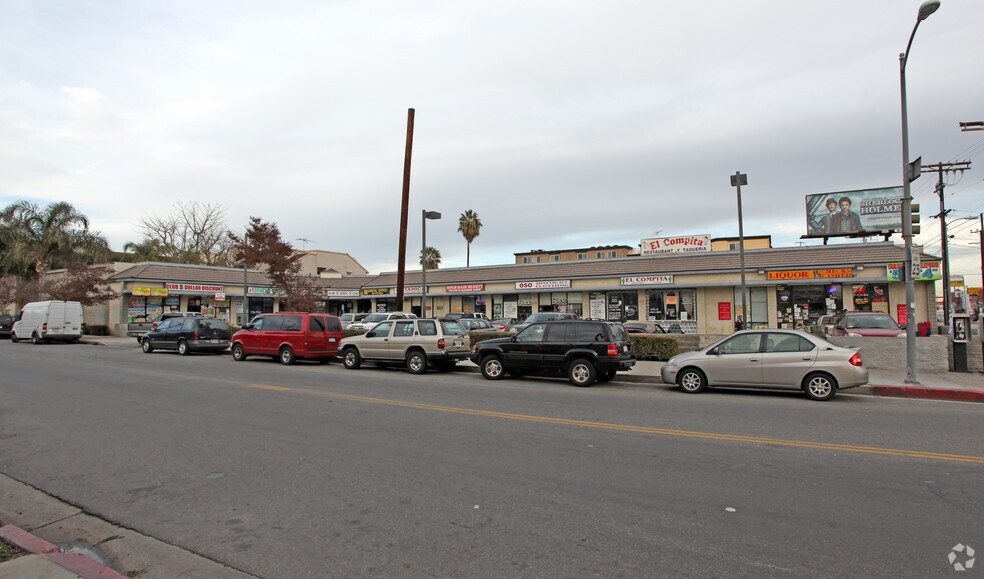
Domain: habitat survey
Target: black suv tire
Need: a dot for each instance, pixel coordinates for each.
(492, 368)
(581, 372)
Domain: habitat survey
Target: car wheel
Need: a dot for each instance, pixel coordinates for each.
(492, 368)
(287, 356)
(183, 348)
(820, 386)
(351, 359)
(14, 338)
(146, 347)
(238, 353)
(606, 375)
(139, 340)
(581, 372)
(35, 338)
(416, 362)
(692, 381)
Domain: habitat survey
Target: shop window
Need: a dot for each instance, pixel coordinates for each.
(622, 306)
(194, 304)
(758, 307)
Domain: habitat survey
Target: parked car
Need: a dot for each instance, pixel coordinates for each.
(348, 319)
(636, 327)
(288, 336)
(187, 334)
(789, 359)
(823, 325)
(582, 350)
(866, 324)
(476, 325)
(417, 344)
(6, 325)
(463, 315)
(503, 324)
(140, 333)
(541, 317)
(48, 321)
(370, 321)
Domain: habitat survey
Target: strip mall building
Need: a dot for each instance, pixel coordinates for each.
(697, 292)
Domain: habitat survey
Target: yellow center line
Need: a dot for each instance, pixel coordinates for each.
(273, 388)
(644, 429)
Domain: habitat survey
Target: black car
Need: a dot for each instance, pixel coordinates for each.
(6, 325)
(582, 350)
(188, 334)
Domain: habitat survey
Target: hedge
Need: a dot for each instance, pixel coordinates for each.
(656, 348)
(95, 330)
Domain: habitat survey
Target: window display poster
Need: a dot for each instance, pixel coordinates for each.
(614, 307)
(879, 299)
(597, 300)
(861, 297)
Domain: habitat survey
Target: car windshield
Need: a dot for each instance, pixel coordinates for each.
(376, 318)
(540, 318)
(875, 322)
(451, 327)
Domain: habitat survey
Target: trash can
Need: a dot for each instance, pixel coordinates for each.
(924, 329)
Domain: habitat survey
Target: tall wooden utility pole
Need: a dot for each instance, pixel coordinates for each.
(404, 212)
(940, 169)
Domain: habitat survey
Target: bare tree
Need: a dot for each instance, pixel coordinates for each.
(195, 233)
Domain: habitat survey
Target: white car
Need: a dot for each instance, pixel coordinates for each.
(370, 321)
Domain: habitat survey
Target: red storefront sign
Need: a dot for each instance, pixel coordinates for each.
(724, 310)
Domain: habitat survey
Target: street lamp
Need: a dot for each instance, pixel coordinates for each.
(925, 10)
(737, 180)
(424, 216)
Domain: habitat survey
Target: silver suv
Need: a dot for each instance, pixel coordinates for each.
(414, 343)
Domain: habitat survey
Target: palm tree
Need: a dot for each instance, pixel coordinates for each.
(51, 237)
(146, 250)
(469, 225)
(433, 257)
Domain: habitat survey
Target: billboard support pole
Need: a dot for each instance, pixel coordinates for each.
(737, 180)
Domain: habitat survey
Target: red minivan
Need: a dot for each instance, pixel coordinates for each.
(289, 336)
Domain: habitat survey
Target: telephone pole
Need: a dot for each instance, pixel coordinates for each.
(940, 169)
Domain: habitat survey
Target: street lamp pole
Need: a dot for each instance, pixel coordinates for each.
(424, 216)
(925, 10)
(737, 180)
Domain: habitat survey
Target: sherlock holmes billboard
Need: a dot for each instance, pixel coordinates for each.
(871, 211)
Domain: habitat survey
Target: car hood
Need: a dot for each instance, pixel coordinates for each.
(494, 342)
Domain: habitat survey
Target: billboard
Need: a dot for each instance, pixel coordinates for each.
(867, 211)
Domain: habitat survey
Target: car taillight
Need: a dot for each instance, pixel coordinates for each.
(613, 349)
(855, 360)
(196, 335)
(44, 327)
(440, 344)
(154, 326)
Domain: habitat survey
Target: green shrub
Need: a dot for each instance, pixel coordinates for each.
(95, 330)
(657, 348)
(233, 328)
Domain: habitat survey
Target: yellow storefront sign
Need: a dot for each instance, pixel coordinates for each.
(811, 273)
(150, 291)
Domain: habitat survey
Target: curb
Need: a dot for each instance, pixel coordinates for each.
(73, 562)
(953, 394)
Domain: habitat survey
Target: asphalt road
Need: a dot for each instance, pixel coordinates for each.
(315, 471)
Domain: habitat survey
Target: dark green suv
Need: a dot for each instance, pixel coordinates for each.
(583, 350)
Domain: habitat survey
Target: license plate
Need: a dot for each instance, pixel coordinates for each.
(458, 343)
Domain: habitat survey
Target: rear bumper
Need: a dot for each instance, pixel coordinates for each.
(208, 345)
(455, 356)
(617, 365)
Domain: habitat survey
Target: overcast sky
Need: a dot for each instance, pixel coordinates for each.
(563, 124)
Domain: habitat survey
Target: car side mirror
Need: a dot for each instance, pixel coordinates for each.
(512, 339)
(902, 326)
(714, 352)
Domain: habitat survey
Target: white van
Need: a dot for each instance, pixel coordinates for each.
(48, 321)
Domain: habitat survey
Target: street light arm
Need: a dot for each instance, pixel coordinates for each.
(905, 55)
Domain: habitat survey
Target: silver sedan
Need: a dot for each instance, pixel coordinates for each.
(788, 359)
